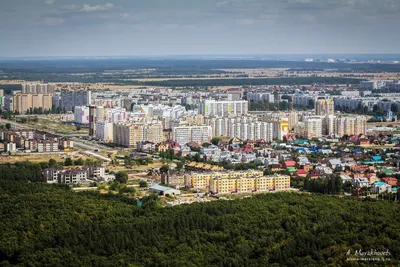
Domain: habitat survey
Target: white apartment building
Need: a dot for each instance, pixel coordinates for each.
(312, 127)
(211, 107)
(81, 115)
(374, 85)
(105, 131)
(268, 97)
(187, 134)
(117, 114)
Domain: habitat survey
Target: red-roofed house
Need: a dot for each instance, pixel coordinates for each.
(290, 163)
(390, 180)
(301, 173)
(247, 149)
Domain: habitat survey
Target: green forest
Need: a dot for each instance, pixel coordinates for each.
(49, 225)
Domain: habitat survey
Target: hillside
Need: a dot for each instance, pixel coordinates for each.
(44, 225)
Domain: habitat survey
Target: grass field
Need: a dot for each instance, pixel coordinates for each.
(56, 127)
(31, 157)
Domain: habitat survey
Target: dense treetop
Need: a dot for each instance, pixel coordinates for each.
(48, 225)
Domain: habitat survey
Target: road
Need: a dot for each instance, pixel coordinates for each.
(88, 153)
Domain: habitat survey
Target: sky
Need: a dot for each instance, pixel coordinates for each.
(195, 27)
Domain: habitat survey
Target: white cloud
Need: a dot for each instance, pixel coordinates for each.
(89, 8)
(222, 3)
(50, 2)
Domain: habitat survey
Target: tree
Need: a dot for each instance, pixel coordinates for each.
(206, 144)
(79, 162)
(78, 127)
(8, 126)
(52, 163)
(143, 183)
(68, 162)
(179, 166)
(121, 177)
(215, 140)
(164, 169)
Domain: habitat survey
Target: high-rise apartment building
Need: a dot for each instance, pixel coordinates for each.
(130, 134)
(24, 102)
(70, 99)
(38, 88)
(324, 107)
(81, 115)
(223, 108)
(280, 128)
(187, 134)
(105, 131)
(96, 114)
(353, 125)
(153, 133)
(310, 128)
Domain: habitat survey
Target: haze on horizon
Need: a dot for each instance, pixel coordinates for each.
(178, 27)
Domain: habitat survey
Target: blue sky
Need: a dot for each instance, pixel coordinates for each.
(174, 27)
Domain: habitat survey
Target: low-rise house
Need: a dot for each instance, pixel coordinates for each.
(360, 182)
(346, 178)
(185, 150)
(163, 190)
(381, 187)
(276, 167)
(271, 161)
(334, 163)
(372, 178)
(146, 146)
(301, 173)
(290, 163)
(246, 158)
(390, 180)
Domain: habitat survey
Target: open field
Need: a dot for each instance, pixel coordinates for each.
(53, 126)
(32, 157)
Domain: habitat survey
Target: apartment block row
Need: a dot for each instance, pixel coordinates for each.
(33, 141)
(268, 97)
(318, 126)
(223, 108)
(43, 88)
(76, 175)
(23, 103)
(237, 182)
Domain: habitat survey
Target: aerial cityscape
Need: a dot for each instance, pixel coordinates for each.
(199, 134)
